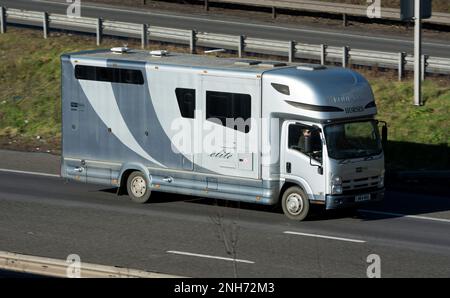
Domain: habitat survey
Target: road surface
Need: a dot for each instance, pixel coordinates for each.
(43, 215)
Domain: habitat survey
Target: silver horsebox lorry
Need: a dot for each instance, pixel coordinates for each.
(254, 131)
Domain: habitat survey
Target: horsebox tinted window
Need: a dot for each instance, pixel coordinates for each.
(109, 74)
(224, 105)
(186, 102)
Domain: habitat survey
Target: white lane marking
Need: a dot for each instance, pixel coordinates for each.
(208, 256)
(325, 237)
(406, 215)
(332, 33)
(360, 210)
(29, 173)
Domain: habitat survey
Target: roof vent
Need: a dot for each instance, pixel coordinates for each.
(247, 62)
(272, 64)
(120, 50)
(311, 67)
(159, 53)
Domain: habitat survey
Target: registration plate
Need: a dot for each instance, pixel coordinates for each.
(362, 198)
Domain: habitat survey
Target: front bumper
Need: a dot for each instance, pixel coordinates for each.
(347, 201)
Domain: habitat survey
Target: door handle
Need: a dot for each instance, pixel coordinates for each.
(288, 167)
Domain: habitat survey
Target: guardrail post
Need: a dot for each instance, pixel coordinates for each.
(323, 54)
(2, 19)
(144, 36)
(193, 41)
(45, 24)
(291, 49)
(99, 31)
(274, 12)
(401, 65)
(345, 56)
(206, 5)
(344, 20)
(424, 66)
(241, 46)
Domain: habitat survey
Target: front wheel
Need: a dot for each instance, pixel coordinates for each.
(137, 188)
(295, 203)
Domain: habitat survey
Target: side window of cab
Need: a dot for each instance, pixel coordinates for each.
(305, 139)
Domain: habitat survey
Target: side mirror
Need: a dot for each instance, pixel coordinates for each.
(384, 135)
(320, 170)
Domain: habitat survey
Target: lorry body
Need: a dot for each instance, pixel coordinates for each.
(254, 131)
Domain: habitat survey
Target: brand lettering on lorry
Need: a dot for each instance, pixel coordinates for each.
(222, 154)
(355, 109)
(341, 99)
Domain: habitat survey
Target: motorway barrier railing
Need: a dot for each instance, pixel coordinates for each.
(50, 267)
(388, 13)
(241, 44)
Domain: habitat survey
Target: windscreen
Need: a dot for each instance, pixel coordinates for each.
(353, 139)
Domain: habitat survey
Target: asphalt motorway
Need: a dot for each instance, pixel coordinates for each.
(43, 215)
(207, 23)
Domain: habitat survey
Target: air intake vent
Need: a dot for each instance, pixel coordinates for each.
(311, 67)
(247, 62)
(283, 89)
(272, 64)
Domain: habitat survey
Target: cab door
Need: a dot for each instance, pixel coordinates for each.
(307, 169)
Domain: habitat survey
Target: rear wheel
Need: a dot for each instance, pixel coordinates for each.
(295, 203)
(137, 188)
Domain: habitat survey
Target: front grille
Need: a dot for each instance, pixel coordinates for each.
(360, 191)
(360, 183)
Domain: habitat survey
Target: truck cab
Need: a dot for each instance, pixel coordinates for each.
(330, 145)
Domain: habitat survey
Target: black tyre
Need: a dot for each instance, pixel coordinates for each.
(137, 187)
(295, 203)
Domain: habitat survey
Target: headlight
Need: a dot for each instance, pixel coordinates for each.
(336, 180)
(381, 183)
(336, 189)
(336, 185)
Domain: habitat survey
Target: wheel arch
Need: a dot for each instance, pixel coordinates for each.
(299, 182)
(129, 168)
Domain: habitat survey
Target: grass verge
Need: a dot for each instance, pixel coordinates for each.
(30, 100)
